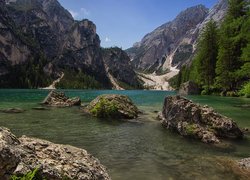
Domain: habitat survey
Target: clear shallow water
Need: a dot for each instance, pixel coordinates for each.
(130, 150)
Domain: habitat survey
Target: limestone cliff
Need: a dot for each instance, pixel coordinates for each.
(118, 65)
(41, 37)
(173, 44)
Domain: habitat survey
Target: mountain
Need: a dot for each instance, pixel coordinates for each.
(120, 69)
(41, 37)
(173, 43)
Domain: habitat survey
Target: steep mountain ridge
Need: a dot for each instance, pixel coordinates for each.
(173, 43)
(118, 64)
(65, 44)
(155, 47)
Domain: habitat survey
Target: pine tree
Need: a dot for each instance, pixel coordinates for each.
(230, 46)
(207, 55)
(244, 72)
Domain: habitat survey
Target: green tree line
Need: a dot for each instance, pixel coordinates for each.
(78, 80)
(222, 60)
(27, 75)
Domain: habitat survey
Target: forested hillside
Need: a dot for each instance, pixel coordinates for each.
(222, 61)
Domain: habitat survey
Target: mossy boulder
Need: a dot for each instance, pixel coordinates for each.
(113, 106)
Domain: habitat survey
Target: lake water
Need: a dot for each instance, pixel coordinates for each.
(134, 150)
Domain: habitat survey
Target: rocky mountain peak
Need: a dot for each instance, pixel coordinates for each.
(173, 43)
(191, 13)
(150, 53)
(44, 34)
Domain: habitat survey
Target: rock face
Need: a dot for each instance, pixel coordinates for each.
(189, 88)
(59, 99)
(119, 66)
(44, 31)
(55, 161)
(14, 49)
(113, 106)
(200, 122)
(155, 47)
(174, 43)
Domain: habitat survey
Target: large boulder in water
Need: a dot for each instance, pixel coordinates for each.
(113, 106)
(59, 99)
(21, 155)
(189, 88)
(201, 122)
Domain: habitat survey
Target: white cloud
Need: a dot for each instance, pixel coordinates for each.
(85, 11)
(74, 14)
(107, 39)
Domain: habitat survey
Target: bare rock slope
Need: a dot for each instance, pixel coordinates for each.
(173, 44)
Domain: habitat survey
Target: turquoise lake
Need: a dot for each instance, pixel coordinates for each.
(131, 150)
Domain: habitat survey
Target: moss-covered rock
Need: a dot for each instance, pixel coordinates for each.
(113, 106)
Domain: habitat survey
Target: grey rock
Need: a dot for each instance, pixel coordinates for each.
(189, 88)
(196, 121)
(54, 161)
(59, 99)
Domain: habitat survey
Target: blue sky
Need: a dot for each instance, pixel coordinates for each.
(123, 22)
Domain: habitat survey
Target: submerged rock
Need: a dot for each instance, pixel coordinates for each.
(40, 108)
(189, 88)
(113, 106)
(54, 161)
(243, 106)
(201, 122)
(59, 99)
(12, 110)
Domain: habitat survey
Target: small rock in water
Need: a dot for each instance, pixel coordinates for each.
(12, 110)
(243, 106)
(59, 99)
(40, 108)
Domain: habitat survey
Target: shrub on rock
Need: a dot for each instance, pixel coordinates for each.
(113, 106)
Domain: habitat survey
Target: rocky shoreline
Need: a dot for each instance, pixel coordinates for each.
(19, 156)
